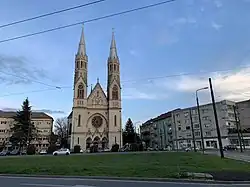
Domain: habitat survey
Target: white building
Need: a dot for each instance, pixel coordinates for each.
(183, 130)
(96, 118)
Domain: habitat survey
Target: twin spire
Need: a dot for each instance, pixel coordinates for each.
(82, 46)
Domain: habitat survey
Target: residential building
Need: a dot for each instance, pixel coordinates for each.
(243, 110)
(96, 118)
(42, 122)
(226, 119)
(157, 132)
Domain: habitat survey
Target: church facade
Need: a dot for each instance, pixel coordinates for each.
(96, 117)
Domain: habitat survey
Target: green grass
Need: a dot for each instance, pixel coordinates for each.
(121, 165)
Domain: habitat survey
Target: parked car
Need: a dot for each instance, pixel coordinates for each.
(43, 152)
(4, 153)
(230, 147)
(15, 152)
(61, 152)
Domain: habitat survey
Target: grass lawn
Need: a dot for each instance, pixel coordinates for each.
(122, 165)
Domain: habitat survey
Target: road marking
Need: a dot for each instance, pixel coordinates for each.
(122, 181)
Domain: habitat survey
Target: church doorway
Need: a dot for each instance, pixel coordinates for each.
(104, 143)
(88, 143)
(96, 141)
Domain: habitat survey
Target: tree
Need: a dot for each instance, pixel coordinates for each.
(129, 135)
(62, 131)
(23, 131)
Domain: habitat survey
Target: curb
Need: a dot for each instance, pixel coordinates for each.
(184, 180)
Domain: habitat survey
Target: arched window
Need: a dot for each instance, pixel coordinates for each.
(114, 67)
(78, 140)
(85, 64)
(115, 120)
(117, 67)
(81, 64)
(77, 64)
(110, 67)
(79, 120)
(115, 139)
(115, 93)
(80, 93)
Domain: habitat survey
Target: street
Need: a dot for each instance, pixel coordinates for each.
(236, 155)
(14, 181)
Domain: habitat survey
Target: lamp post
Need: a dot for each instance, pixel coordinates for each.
(199, 116)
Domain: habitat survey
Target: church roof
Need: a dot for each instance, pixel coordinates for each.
(82, 46)
(113, 50)
(97, 86)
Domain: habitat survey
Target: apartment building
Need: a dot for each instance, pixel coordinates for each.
(184, 136)
(157, 132)
(42, 122)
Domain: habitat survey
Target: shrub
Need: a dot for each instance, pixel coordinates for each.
(134, 147)
(52, 148)
(31, 149)
(115, 148)
(94, 149)
(77, 149)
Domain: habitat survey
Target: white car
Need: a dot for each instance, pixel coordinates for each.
(61, 152)
(43, 152)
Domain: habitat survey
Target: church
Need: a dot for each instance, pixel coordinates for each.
(96, 118)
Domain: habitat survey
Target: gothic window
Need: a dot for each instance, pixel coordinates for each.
(80, 93)
(77, 64)
(85, 65)
(115, 139)
(78, 140)
(115, 120)
(115, 93)
(110, 67)
(97, 93)
(114, 67)
(79, 120)
(117, 67)
(81, 64)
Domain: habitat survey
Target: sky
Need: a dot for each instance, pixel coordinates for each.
(166, 53)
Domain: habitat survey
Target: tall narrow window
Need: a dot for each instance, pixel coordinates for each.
(115, 139)
(110, 67)
(79, 120)
(115, 120)
(114, 67)
(80, 93)
(77, 64)
(115, 93)
(81, 64)
(78, 140)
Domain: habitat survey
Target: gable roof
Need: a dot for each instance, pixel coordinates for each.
(34, 115)
(97, 86)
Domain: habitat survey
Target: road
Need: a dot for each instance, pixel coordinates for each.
(236, 155)
(14, 181)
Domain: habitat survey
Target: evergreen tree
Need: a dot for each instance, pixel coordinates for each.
(129, 135)
(23, 131)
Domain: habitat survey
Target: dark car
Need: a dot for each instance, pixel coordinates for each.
(4, 153)
(230, 147)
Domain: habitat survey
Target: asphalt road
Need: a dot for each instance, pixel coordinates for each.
(14, 181)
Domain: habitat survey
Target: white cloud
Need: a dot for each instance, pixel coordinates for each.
(135, 93)
(218, 3)
(227, 85)
(216, 26)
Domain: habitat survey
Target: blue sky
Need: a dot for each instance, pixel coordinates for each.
(186, 36)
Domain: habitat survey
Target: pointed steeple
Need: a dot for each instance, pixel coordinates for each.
(113, 51)
(82, 48)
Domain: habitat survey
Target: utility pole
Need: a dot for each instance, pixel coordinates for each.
(237, 125)
(192, 128)
(176, 140)
(199, 116)
(216, 119)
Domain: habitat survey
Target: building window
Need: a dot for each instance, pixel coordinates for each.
(78, 140)
(114, 67)
(115, 93)
(187, 127)
(79, 120)
(80, 93)
(110, 67)
(115, 120)
(208, 133)
(117, 67)
(179, 128)
(115, 139)
(186, 114)
(196, 126)
(207, 124)
(81, 64)
(205, 118)
(197, 133)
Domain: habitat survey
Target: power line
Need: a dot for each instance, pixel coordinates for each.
(88, 21)
(49, 14)
(32, 80)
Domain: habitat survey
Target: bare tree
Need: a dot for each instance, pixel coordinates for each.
(62, 130)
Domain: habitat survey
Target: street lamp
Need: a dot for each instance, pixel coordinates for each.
(199, 116)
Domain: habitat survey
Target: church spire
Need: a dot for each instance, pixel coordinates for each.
(113, 51)
(82, 48)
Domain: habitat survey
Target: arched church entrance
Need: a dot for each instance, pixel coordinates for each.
(96, 141)
(104, 143)
(88, 143)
